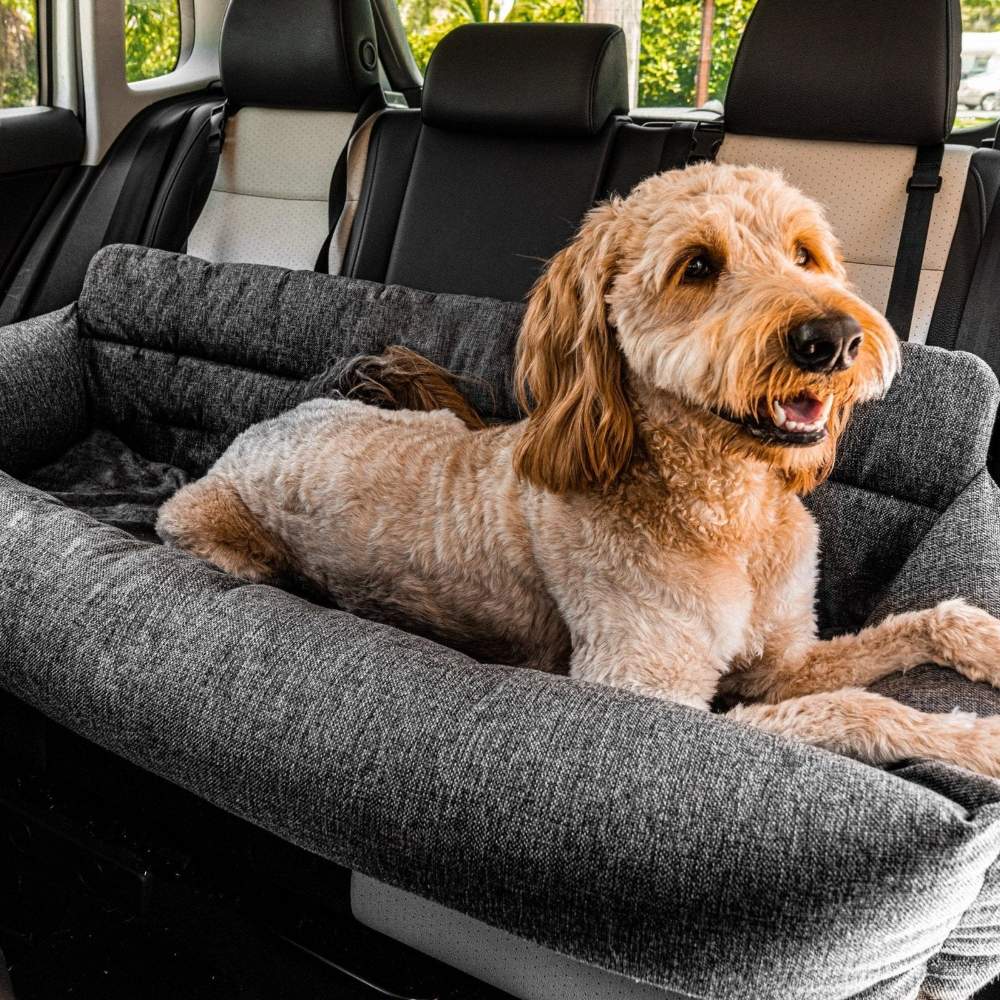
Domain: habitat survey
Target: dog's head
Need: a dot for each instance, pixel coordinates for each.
(721, 286)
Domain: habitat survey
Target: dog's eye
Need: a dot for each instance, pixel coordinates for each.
(699, 268)
(803, 258)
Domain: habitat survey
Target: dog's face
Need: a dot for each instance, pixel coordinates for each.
(721, 286)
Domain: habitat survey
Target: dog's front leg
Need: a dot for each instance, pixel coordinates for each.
(650, 645)
(794, 663)
(879, 730)
(634, 627)
(678, 668)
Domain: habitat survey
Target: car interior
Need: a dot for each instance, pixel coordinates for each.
(298, 188)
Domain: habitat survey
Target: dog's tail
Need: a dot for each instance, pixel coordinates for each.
(401, 379)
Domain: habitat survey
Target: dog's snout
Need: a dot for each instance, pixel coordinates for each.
(825, 344)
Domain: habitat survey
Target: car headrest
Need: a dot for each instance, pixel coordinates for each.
(527, 79)
(866, 70)
(316, 54)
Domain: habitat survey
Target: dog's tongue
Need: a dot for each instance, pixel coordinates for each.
(804, 409)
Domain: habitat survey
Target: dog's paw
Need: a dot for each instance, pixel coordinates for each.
(968, 639)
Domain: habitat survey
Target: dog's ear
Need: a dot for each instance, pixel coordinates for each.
(570, 370)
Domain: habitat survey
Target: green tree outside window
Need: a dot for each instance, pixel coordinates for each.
(18, 54)
(152, 38)
(669, 44)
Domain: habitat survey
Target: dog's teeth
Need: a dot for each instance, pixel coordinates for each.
(779, 415)
(827, 407)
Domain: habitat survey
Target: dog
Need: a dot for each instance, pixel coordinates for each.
(687, 364)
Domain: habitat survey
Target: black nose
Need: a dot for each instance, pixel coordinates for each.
(826, 344)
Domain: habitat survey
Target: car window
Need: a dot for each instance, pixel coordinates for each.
(687, 50)
(665, 37)
(18, 53)
(152, 38)
(681, 51)
(978, 97)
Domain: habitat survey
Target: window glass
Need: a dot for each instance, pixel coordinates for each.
(979, 90)
(152, 38)
(428, 21)
(685, 48)
(668, 52)
(18, 53)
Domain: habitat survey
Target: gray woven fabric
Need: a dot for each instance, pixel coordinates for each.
(228, 346)
(41, 389)
(680, 849)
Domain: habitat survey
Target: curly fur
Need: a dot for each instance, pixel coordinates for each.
(631, 529)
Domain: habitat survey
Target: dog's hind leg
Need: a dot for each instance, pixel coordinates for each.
(878, 730)
(209, 519)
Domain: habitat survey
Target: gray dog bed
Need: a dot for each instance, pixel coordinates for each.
(645, 839)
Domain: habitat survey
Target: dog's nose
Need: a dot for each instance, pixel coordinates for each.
(826, 344)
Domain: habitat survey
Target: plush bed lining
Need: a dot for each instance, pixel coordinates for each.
(105, 478)
(178, 355)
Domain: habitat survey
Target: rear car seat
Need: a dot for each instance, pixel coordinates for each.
(296, 87)
(843, 113)
(476, 190)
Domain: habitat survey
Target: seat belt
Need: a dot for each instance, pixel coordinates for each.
(924, 183)
(678, 146)
(979, 328)
(357, 145)
(137, 214)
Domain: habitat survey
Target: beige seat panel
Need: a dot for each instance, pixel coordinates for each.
(862, 187)
(269, 201)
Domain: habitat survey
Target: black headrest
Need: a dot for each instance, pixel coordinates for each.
(527, 79)
(317, 54)
(870, 70)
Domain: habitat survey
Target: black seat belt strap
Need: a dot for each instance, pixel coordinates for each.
(922, 186)
(678, 146)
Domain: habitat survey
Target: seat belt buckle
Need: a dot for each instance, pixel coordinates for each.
(924, 184)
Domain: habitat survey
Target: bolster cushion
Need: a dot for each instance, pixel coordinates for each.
(42, 389)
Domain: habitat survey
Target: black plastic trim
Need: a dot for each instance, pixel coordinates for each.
(37, 138)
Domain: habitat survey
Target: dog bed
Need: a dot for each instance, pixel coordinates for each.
(644, 839)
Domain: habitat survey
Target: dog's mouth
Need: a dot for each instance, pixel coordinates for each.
(796, 421)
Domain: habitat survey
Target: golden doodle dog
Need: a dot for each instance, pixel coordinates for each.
(687, 364)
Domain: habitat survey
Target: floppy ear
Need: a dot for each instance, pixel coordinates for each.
(570, 370)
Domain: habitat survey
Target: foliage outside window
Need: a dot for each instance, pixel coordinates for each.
(152, 38)
(428, 21)
(670, 45)
(18, 54)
